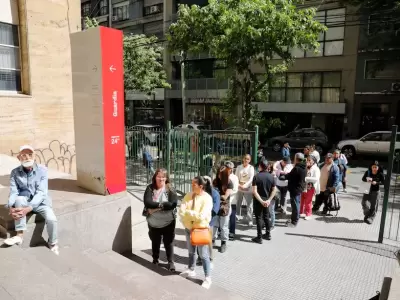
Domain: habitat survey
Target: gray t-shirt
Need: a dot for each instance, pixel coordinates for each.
(162, 218)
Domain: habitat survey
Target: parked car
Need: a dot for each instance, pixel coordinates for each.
(374, 143)
(300, 138)
(192, 125)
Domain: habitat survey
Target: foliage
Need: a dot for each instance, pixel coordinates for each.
(246, 34)
(143, 68)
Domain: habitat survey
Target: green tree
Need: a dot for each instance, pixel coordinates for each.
(246, 34)
(143, 68)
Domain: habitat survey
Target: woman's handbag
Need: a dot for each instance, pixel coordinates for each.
(199, 236)
(224, 208)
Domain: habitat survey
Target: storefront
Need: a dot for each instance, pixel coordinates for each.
(205, 110)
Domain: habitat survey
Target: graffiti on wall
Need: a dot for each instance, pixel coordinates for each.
(57, 156)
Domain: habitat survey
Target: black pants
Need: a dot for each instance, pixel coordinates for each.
(167, 233)
(232, 220)
(321, 198)
(283, 191)
(262, 214)
(370, 204)
(344, 183)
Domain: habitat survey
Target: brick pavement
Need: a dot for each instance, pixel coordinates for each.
(335, 258)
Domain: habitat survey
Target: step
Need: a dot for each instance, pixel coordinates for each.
(23, 277)
(142, 275)
(92, 280)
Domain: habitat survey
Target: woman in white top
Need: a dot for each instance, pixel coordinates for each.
(312, 187)
(232, 215)
(315, 153)
(282, 167)
(245, 173)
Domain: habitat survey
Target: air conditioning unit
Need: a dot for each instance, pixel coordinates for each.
(115, 18)
(154, 9)
(396, 87)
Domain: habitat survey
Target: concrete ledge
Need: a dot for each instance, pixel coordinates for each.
(394, 293)
(85, 220)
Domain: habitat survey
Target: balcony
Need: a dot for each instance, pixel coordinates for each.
(199, 88)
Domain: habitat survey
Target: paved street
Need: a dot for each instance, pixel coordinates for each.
(335, 258)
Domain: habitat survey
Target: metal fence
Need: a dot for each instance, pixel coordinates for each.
(390, 219)
(184, 153)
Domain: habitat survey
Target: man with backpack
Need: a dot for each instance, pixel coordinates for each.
(329, 182)
(337, 160)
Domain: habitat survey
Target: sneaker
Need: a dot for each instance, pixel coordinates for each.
(171, 267)
(223, 247)
(55, 249)
(155, 262)
(369, 221)
(344, 191)
(188, 273)
(206, 283)
(272, 228)
(257, 240)
(231, 236)
(15, 240)
(290, 224)
(266, 236)
(307, 218)
(250, 224)
(302, 215)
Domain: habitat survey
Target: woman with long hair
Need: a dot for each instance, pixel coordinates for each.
(160, 201)
(195, 213)
(225, 187)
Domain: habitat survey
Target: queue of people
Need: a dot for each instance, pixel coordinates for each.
(211, 210)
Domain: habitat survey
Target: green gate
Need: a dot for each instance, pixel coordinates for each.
(185, 153)
(390, 219)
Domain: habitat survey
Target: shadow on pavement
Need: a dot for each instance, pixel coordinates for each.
(339, 220)
(369, 246)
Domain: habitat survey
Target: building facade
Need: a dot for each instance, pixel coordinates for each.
(377, 92)
(35, 76)
(318, 90)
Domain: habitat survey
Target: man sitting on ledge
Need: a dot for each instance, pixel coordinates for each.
(29, 193)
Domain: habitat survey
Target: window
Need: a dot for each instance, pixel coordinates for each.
(383, 22)
(372, 137)
(381, 69)
(85, 9)
(154, 9)
(307, 87)
(121, 11)
(103, 5)
(10, 66)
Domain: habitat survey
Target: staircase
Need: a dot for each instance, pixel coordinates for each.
(36, 273)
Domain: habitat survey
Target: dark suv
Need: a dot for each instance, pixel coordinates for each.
(300, 138)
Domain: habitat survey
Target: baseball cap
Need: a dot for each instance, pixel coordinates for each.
(229, 164)
(300, 156)
(26, 147)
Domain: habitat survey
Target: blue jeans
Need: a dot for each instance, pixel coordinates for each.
(295, 203)
(271, 208)
(204, 255)
(45, 211)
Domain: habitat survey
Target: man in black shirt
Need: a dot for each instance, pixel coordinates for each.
(296, 185)
(264, 191)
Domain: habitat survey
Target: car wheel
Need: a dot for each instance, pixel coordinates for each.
(349, 151)
(277, 147)
(319, 149)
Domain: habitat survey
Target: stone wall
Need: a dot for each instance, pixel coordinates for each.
(43, 114)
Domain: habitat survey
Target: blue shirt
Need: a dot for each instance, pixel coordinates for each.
(216, 205)
(285, 152)
(34, 184)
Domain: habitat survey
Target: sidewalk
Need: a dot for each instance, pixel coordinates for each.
(335, 258)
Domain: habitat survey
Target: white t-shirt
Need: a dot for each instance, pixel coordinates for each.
(235, 181)
(245, 175)
(278, 170)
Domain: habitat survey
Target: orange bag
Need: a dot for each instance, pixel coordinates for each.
(199, 236)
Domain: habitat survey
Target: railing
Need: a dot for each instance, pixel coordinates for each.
(184, 153)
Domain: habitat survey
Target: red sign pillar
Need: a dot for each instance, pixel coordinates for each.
(98, 89)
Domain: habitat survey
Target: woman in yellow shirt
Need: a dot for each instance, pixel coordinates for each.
(195, 212)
